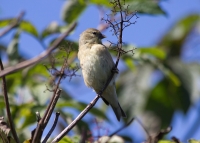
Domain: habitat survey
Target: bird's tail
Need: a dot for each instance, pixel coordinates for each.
(118, 112)
(110, 96)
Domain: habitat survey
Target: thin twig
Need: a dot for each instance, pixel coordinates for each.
(4, 86)
(117, 131)
(41, 126)
(43, 122)
(124, 126)
(158, 136)
(75, 121)
(52, 104)
(52, 128)
(13, 25)
(140, 123)
(176, 140)
(40, 57)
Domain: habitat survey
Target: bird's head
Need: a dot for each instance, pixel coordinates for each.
(91, 36)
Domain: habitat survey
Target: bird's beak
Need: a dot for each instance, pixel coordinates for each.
(102, 36)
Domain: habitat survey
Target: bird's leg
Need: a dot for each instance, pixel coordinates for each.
(115, 70)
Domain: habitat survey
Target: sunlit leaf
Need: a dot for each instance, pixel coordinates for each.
(193, 141)
(54, 28)
(169, 73)
(188, 74)
(129, 62)
(67, 139)
(2, 102)
(27, 141)
(29, 28)
(72, 10)
(5, 22)
(145, 6)
(25, 113)
(174, 40)
(101, 2)
(37, 74)
(166, 141)
(154, 51)
(24, 26)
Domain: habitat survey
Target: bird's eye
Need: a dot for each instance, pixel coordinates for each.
(94, 33)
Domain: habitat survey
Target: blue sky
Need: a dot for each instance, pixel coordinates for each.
(146, 32)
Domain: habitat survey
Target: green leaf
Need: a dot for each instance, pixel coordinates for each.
(174, 40)
(51, 29)
(169, 73)
(37, 74)
(5, 22)
(166, 141)
(66, 140)
(144, 6)
(72, 10)
(2, 102)
(168, 98)
(188, 74)
(129, 62)
(14, 81)
(27, 141)
(12, 49)
(193, 141)
(25, 113)
(101, 2)
(154, 51)
(28, 27)
(54, 28)
(24, 26)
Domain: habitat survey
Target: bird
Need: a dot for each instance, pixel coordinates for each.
(97, 64)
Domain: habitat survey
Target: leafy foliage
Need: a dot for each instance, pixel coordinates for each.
(176, 90)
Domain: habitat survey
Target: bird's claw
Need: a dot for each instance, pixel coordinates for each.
(115, 70)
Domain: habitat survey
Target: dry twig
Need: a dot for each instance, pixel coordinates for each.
(13, 25)
(4, 86)
(52, 128)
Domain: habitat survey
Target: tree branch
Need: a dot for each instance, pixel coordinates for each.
(15, 24)
(124, 126)
(4, 86)
(41, 126)
(40, 57)
(43, 122)
(52, 128)
(75, 121)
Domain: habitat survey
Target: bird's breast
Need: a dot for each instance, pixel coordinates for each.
(95, 68)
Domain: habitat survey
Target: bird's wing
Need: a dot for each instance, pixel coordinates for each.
(106, 63)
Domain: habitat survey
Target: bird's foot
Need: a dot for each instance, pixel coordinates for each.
(115, 70)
